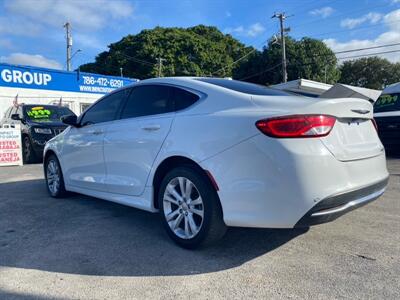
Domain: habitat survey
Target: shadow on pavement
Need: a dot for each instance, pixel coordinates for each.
(84, 235)
(22, 296)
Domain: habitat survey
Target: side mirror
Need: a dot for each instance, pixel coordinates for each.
(16, 117)
(70, 120)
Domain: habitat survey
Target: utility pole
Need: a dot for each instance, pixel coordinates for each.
(282, 17)
(160, 65)
(67, 27)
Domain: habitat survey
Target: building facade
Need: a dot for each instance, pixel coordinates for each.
(34, 85)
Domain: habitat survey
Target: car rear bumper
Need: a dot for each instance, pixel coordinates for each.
(271, 183)
(331, 208)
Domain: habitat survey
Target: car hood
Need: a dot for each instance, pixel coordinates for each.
(47, 124)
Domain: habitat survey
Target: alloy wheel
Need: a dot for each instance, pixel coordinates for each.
(183, 207)
(53, 176)
(27, 149)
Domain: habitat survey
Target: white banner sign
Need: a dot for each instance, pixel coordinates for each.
(10, 147)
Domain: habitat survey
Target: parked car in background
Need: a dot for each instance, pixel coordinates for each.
(39, 123)
(387, 117)
(208, 153)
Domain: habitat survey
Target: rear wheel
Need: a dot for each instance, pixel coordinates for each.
(190, 208)
(54, 177)
(28, 152)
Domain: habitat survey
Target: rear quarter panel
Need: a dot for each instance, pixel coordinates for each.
(201, 136)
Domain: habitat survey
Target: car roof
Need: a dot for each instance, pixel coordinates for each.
(222, 85)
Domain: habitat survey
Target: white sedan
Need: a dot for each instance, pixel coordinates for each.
(208, 153)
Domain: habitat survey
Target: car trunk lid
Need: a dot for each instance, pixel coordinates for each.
(353, 136)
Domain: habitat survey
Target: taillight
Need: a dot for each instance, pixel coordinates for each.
(298, 126)
(375, 124)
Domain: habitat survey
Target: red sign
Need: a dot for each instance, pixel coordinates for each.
(10, 147)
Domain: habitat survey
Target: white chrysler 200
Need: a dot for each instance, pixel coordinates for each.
(208, 153)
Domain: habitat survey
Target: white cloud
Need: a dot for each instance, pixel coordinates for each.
(255, 29)
(30, 60)
(251, 31)
(323, 12)
(89, 15)
(228, 14)
(391, 36)
(392, 20)
(371, 18)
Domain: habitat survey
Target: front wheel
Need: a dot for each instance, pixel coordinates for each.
(27, 151)
(190, 208)
(54, 177)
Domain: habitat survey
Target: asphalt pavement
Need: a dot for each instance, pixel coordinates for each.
(84, 248)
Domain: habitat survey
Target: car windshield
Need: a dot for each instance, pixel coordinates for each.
(387, 102)
(244, 87)
(45, 113)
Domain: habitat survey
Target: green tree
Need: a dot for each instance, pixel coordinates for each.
(195, 51)
(371, 72)
(306, 58)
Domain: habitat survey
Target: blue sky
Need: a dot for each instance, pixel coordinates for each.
(31, 31)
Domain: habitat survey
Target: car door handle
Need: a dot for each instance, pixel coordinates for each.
(151, 127)
(97, 132)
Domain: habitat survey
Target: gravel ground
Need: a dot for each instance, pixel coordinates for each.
(85, 248)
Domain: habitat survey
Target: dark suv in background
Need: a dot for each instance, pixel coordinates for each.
(387, 117)
(39, 123)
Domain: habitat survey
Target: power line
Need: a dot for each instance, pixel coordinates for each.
(370, 54)
(255, 48)
(262, 72)
(239, 59)
(321, 34)
(354, 29)
(319, 55)
(338, 52)
(236, 61)
(367, 48)
(347, 57)
(353, 56)
(137, 60)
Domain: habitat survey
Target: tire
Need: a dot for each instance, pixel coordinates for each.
(54, 177)
(201, 206)
(29, 155)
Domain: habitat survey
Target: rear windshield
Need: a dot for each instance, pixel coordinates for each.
(387, 102)
(45, 113)
(244, 87)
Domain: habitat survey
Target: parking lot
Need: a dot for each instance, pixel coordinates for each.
(81, 247)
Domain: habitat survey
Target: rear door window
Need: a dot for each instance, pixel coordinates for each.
(387, 102)
(148, 100)
(182, 99)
